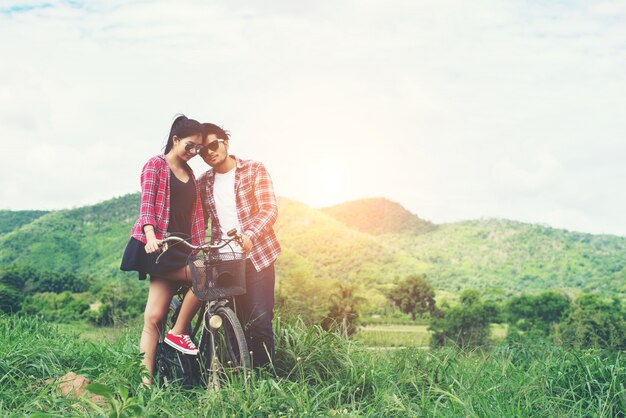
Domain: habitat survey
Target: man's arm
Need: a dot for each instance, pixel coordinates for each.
(266, 201)
(202, 184)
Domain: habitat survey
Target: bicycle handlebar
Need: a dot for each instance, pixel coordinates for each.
(235, 236)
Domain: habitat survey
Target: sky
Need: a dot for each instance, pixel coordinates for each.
(457, 110)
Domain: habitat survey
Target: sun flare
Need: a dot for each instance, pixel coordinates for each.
(327, 187)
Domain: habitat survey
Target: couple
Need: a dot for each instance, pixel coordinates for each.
(233, 193)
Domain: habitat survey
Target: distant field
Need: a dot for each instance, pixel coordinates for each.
(407, 335)
(371, 335)
(394, 336)
(98, 334)
(498, 331)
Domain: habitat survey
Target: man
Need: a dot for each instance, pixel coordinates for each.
(239, 194)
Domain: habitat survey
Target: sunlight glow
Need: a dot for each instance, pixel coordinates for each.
(328, 184)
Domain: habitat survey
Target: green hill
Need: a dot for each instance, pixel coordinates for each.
(87, 240)
(378, 243)
(10, 220)
(333, 251)
(514, 257)
(495, 255)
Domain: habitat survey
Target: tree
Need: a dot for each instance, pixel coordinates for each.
(50, 281)
(594, 323)
(12, 280)
(343, 311)
(301, 296)
(10, 299)
(536, 314)
(414, 295)
(33, 281)
(466, 325)
(16, 276)
(63, 307)
(118, 303)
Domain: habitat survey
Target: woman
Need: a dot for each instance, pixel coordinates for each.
(170, 204)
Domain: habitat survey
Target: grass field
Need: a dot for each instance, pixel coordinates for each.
(316, 374)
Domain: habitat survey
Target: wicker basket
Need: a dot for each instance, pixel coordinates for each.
(218, 275)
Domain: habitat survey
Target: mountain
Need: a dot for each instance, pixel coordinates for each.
(333, 251)
(498, 256)
(10, 220)
(514, 256)
(378, 216)
(371, 241)
(87, 240)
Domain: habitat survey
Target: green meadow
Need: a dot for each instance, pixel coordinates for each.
(510, 319)
(315, 374)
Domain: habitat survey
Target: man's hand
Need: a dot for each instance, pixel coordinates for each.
(246, 243)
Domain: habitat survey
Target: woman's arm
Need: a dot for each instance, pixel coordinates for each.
(149, 188)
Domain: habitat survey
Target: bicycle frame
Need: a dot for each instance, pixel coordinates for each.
(215, 318)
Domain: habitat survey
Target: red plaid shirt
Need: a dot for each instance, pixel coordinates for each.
(155, 203)
(257, 209)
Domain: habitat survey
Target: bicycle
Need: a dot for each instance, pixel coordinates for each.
(222, 349)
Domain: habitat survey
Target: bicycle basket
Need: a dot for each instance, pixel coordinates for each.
(218, 275)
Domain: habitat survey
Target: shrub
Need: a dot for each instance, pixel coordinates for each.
(344, 310)
(64, 307)
(10, 298)
(464, 326)
(34, 281)
(414, 295)
(536, 314)
(594, 323)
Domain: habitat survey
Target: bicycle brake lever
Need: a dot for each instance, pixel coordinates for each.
(164, 246)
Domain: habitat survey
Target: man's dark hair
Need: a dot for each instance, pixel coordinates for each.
(211, 129)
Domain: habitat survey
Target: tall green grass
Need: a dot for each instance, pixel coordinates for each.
(315, 374)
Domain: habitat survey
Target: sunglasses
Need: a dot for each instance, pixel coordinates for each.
(191, 147)
(213, 146)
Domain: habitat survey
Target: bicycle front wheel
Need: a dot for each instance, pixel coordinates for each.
(226, 351)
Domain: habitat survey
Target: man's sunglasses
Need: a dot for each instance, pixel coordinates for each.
(213, 146)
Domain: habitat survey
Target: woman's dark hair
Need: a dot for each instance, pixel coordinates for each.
(210, 129)
(182, 127)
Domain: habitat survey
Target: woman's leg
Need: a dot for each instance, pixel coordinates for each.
(190, 303)
(159, 297)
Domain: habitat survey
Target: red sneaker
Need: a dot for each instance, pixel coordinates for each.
(181, 342)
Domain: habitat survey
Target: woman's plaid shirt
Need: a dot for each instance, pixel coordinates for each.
(257, 209)
(155, 203)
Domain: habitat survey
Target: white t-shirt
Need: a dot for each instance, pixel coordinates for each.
(226, 205)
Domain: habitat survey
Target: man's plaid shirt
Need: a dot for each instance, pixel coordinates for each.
(257, 209)
(155, 203)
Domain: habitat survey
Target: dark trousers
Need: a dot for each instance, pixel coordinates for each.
(255, 310)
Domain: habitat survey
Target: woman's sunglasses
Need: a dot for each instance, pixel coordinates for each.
(198, 149)
(191, 147)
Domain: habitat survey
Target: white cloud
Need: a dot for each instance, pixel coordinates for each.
(457, 110)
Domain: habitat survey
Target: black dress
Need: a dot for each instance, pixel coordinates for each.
(182, 200)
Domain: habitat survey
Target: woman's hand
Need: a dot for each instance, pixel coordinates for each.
(153, 245)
